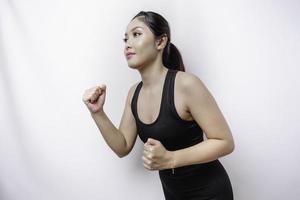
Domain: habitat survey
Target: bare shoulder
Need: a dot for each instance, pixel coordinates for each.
(131, 92)
(193, 91)
(133, 87)
(189, 83)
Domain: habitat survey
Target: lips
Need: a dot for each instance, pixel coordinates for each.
(129, 55)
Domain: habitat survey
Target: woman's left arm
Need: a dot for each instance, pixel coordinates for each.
(205, 111)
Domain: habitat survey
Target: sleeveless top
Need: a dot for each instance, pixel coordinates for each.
(169, 128)
(198, 181)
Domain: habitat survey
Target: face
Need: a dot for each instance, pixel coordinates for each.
(140, 44)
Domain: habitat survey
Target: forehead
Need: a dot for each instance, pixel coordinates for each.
(135, 24)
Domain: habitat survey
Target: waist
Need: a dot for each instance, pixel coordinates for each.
(202, 170)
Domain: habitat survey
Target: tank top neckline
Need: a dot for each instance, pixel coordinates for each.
(162, 100)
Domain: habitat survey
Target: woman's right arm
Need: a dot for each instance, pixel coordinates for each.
(121, 140)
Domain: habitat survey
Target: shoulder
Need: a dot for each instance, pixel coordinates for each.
(189, 83)
(131, 92)
(194, 92)
(133, 87)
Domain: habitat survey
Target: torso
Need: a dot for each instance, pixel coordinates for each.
(205, 180)
(149, 102)
(158, 117)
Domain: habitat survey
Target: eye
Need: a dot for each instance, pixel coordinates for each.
(135, 33)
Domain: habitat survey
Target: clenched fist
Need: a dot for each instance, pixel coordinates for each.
(94, 98)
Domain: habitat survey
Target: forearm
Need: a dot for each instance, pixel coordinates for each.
(112, 136)
(206, 151)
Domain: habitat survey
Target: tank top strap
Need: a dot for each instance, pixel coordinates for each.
(165, 95)
(169, 95)
(134, 99)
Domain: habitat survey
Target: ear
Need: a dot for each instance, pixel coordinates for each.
(161, 42)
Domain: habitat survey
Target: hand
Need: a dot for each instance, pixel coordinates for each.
(94, 98)
(156, 157)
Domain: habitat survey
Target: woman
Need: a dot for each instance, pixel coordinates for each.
(169, 109)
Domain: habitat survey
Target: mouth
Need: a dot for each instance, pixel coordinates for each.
(129, 55)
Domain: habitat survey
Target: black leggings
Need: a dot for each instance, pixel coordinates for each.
(208, 181)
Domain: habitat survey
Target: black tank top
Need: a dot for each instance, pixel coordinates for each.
(169, 128)
(198, 181)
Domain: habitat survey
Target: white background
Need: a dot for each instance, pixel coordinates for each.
(246, 52)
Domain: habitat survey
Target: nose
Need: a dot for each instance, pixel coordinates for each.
(127, 47)
(127, 44)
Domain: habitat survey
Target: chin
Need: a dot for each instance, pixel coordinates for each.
(133, 65)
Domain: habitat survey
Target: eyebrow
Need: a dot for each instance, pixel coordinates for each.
(133, 29)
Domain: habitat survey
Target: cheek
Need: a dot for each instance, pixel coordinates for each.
(145, 51)
(144, 45)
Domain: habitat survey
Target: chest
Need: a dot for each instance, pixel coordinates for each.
(149, 105)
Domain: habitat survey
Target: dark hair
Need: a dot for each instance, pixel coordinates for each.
(159, 26)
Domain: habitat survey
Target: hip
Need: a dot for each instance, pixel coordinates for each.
(202, 173)
(202, 181)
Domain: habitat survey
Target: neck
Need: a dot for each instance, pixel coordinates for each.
(153, 74)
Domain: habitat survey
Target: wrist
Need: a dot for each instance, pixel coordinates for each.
(100, 113)
(172, 162)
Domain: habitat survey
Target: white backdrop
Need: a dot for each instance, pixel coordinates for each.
(247, 53)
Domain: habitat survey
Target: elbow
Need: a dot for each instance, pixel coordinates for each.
(228, 147)
(122, 154)
(231, 147)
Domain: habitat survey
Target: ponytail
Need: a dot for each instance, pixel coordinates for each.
(172, 58)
